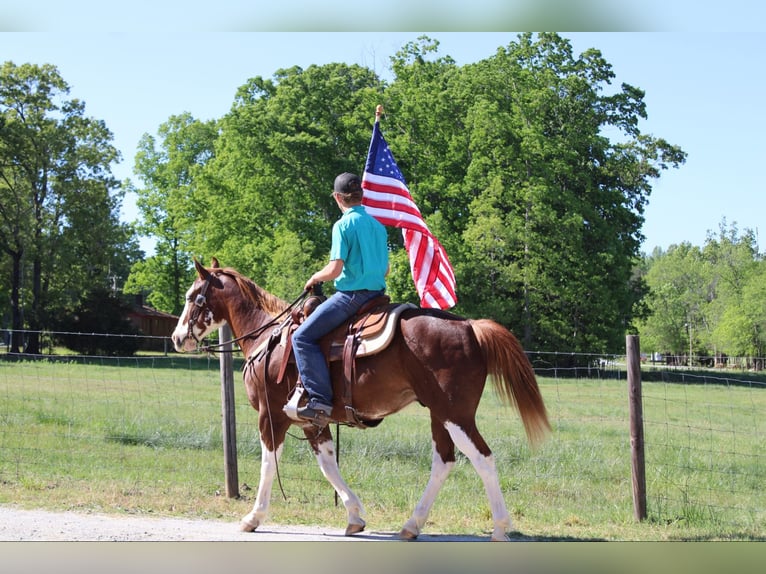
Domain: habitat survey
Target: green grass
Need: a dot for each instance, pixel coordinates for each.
(143, 435)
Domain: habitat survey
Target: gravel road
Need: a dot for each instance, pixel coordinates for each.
(42, 525)
(87, 543)
(44, 541)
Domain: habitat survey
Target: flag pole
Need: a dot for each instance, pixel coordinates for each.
(393, 206)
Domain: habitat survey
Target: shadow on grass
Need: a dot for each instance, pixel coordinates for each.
(513, 536)
(738, 537)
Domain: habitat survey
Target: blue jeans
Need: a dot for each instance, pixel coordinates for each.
(312, 365)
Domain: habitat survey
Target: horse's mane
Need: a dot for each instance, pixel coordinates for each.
(261, 298)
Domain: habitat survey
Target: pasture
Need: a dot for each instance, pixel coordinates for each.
(143, 435)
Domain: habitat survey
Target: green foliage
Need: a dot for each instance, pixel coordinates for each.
(289, 263)
(154, 277)
(399, 284)
(707, 301)
(679, 281)
(541, 214)
(60, 230)
(171, 204)
(490, 266)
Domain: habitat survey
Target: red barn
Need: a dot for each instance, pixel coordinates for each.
(156, 325)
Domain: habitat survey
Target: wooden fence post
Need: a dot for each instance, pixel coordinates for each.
(228, 412)
(638, 469)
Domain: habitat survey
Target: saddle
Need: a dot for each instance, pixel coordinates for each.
(367, 333)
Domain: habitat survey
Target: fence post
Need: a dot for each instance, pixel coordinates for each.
(638, 470)
(228, 412)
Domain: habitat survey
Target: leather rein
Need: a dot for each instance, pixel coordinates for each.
(200, 301)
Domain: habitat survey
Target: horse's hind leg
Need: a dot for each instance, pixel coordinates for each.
(257, 516)
(442, 461)
(325, 454)
(471, 444)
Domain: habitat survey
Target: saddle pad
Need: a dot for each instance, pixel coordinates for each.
(374, 340)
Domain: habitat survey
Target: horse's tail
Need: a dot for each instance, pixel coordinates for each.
(513, 376)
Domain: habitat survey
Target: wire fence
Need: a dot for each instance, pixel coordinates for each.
(704, 432)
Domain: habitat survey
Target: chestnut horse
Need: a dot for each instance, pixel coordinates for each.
(436, 358)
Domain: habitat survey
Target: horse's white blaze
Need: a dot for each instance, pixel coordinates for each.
(485, 467)
(329, 466)
(260, 510)
(439, 472)
(180, 337)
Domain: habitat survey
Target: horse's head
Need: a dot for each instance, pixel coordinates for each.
(199, 318)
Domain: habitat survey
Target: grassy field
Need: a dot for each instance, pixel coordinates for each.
(144, 436)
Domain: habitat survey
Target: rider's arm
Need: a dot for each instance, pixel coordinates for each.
(329, 272)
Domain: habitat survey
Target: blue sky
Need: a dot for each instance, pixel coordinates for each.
(704, 93)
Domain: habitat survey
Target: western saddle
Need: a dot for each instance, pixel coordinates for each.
(368, 332)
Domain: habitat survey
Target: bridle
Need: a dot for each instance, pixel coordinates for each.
(199, 303)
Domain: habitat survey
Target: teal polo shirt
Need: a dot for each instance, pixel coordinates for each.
(361, 242)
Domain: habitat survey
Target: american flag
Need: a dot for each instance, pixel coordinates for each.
(388, 200)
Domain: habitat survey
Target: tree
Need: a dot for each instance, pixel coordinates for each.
(753, 308)
(279, 151)
(290, 263)
(491, 268)
(59, 203)
(171, 207)
(427, 127)
(708, 300)
(540, 212)
(522, 188)
(733, 319)
(679, 281)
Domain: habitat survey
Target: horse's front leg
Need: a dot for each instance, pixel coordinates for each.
(269, 460)
(272, 431)
(323, 448)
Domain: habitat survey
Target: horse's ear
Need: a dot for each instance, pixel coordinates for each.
(214, 263)
(206, 275)
(201, 271)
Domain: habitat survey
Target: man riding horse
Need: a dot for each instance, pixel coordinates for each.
(358, 265)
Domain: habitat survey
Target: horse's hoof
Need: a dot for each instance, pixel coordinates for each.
(500, 538)
(407, 534)
(245, 526)
(352, 529)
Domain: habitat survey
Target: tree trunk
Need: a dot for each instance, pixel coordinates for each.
(17, 312)
(35, 325)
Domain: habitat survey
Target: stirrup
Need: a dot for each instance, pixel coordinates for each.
(316, 417)
(291, 408)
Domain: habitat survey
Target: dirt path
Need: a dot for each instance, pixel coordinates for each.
(42, 525)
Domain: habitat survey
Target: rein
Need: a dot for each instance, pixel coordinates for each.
(218, 347)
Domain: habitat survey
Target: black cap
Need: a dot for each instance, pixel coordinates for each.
(347, 183)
